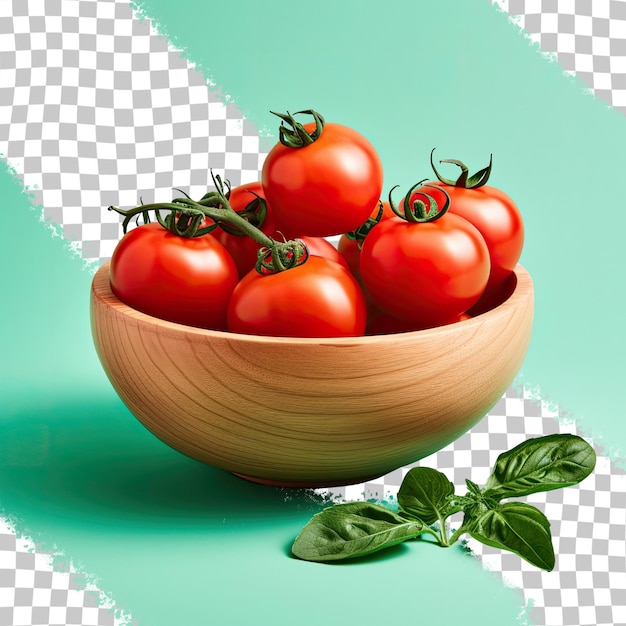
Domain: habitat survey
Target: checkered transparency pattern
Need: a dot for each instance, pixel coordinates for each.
(96, 109)
(586, 37)
(35, 591)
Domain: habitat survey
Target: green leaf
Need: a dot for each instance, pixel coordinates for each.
(540, 464)
(424, 494)
(352, 530)
(519, 528)
(473, 488)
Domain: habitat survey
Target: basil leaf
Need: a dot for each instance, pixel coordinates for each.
(540, 464)
(424, 494)
(351, 530)
(518, 527)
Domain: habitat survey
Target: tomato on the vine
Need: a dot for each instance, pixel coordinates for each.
(492, 212)
(321, 179)
(318, 298)
(188, 280)
(427, 267)
(249, 201)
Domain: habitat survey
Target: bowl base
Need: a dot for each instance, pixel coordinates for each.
(305, 484)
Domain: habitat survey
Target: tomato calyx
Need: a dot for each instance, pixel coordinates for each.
(414, 207)
(362, 231)
(465, 181)
(297, 136)
(286, 255)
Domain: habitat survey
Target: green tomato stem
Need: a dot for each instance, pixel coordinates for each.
(186, 215)
(417, 212)
(232, 218)
(464, 181)
(362, 231)
(297, 136)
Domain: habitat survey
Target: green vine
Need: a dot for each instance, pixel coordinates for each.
(188, 218)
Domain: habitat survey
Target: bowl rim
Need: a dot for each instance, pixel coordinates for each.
(101, 289)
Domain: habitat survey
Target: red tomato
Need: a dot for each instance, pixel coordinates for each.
(183, 280)
(499, 221)
(319, 298)
(493, 213)
(495, 296)
(426, 273)
(327, 187)
(318, 246)
(242, 247)
(381, 323)
(350, 248)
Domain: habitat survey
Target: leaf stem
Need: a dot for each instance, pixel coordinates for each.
(456, 534)
(443, 532)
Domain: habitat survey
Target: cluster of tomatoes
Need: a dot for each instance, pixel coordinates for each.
(444, 249)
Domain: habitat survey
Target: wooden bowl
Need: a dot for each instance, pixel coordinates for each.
(310, 412)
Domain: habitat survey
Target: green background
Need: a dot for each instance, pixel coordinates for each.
(176, 542)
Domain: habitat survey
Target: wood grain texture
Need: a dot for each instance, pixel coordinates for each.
(309, 412)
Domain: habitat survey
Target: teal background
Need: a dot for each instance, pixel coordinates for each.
(176, 542)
